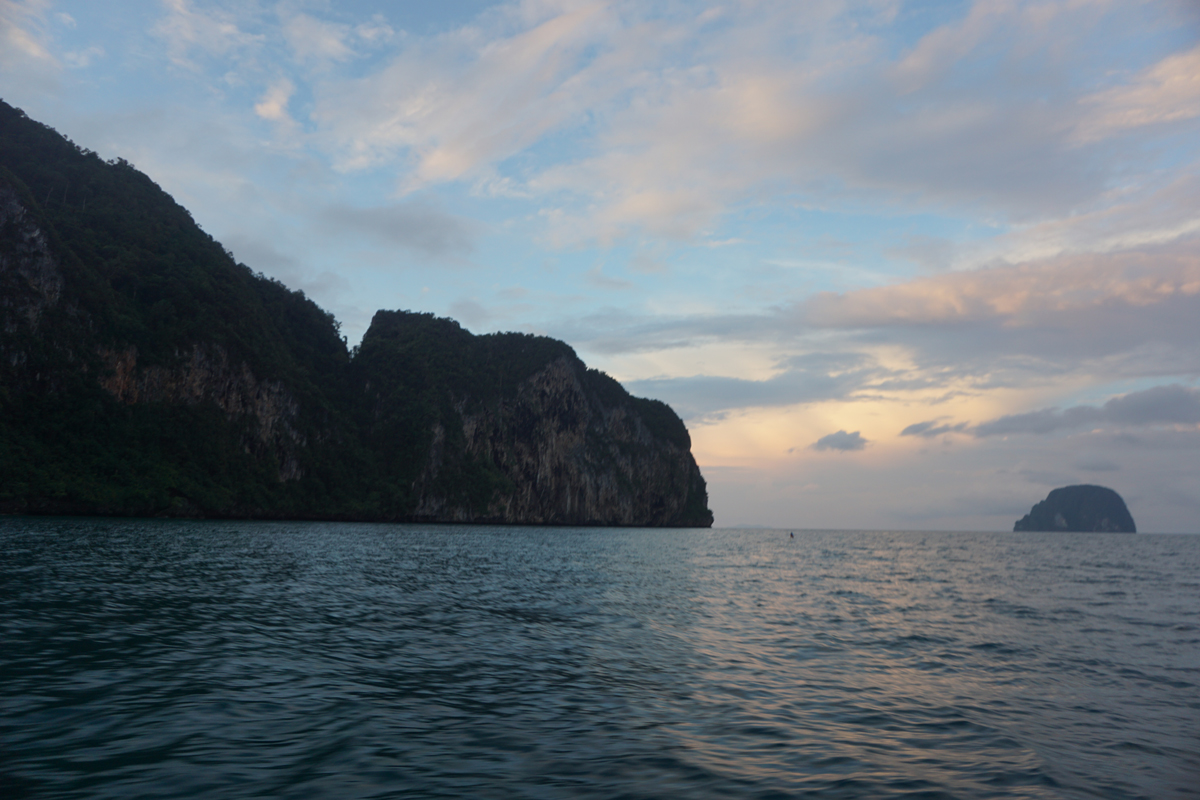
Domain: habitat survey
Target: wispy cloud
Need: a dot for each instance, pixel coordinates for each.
(1095, 318)
(23, 48)
(661, 120)
(932, 429)
(771, 101)
(315, 40)
(1021, 295)
(1162, 405)
(208, 31)
(1151, 290)
(82, 59)
(1167, 92)
(808, 378)
(467, 99)
(274, 102)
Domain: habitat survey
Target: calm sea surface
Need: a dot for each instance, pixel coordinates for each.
(148, 659)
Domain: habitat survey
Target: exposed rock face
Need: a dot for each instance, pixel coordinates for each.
(568, 459)
(30, 280)
(31, 285)
(1082, 508)
(205, 374)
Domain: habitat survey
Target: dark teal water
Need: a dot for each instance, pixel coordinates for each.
(213, 659)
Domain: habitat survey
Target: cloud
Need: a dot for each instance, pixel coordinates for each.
(1044, 421)
(784, 104)
(82, 59)
(1174, 404)
(932, 429)
(411, 225)
(1071, 322)
(312, 39)
(1045, 477)
(23, 52)
(840, 441)
(614, 331)
(1150, 215)
(662, 122)
(940, 50)
(456, 103)
(1123, 314)
(1162, 405)
(212, 32)
(808, 378)
(274, 102)
(377, 30)
(1065, 309)
(1020, 295)
(1168, 91)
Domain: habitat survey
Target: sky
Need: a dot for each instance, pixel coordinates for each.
(898, 264)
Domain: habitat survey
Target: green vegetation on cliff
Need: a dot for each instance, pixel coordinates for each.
(144, 371)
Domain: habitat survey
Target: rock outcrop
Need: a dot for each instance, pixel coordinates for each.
(515, 428)
(30, 280)
(204, 374)
(1082, 508)
(561, 455)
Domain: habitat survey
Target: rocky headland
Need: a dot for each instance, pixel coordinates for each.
(144, 371)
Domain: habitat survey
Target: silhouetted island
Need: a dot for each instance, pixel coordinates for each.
(1082, 508)
(145, 372)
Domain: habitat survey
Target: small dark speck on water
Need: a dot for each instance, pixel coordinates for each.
(148, 659)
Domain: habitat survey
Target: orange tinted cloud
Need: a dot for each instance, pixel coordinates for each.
(1016, 295)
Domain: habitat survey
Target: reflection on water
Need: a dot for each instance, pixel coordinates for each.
(184, 659)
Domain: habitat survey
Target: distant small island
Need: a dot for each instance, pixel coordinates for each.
(1083, 508)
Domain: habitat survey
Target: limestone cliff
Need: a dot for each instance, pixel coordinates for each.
(515, 428)
(31, 288)
(1082, 508)
(565, 457)
(30, 280)
(204, 373)
(143, 371)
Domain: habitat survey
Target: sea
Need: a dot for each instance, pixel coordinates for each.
(217, 659)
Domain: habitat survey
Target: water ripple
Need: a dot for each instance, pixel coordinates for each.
(183, 659)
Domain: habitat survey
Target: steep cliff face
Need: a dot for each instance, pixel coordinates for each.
(204, 373)
(1083, 508)
(143, 371)
(31, 291)
(30, 280)
(565, 457)
(515, 428)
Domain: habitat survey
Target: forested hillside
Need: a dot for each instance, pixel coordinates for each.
(143, 371)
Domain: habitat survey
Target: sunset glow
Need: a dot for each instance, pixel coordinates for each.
(896, 263)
